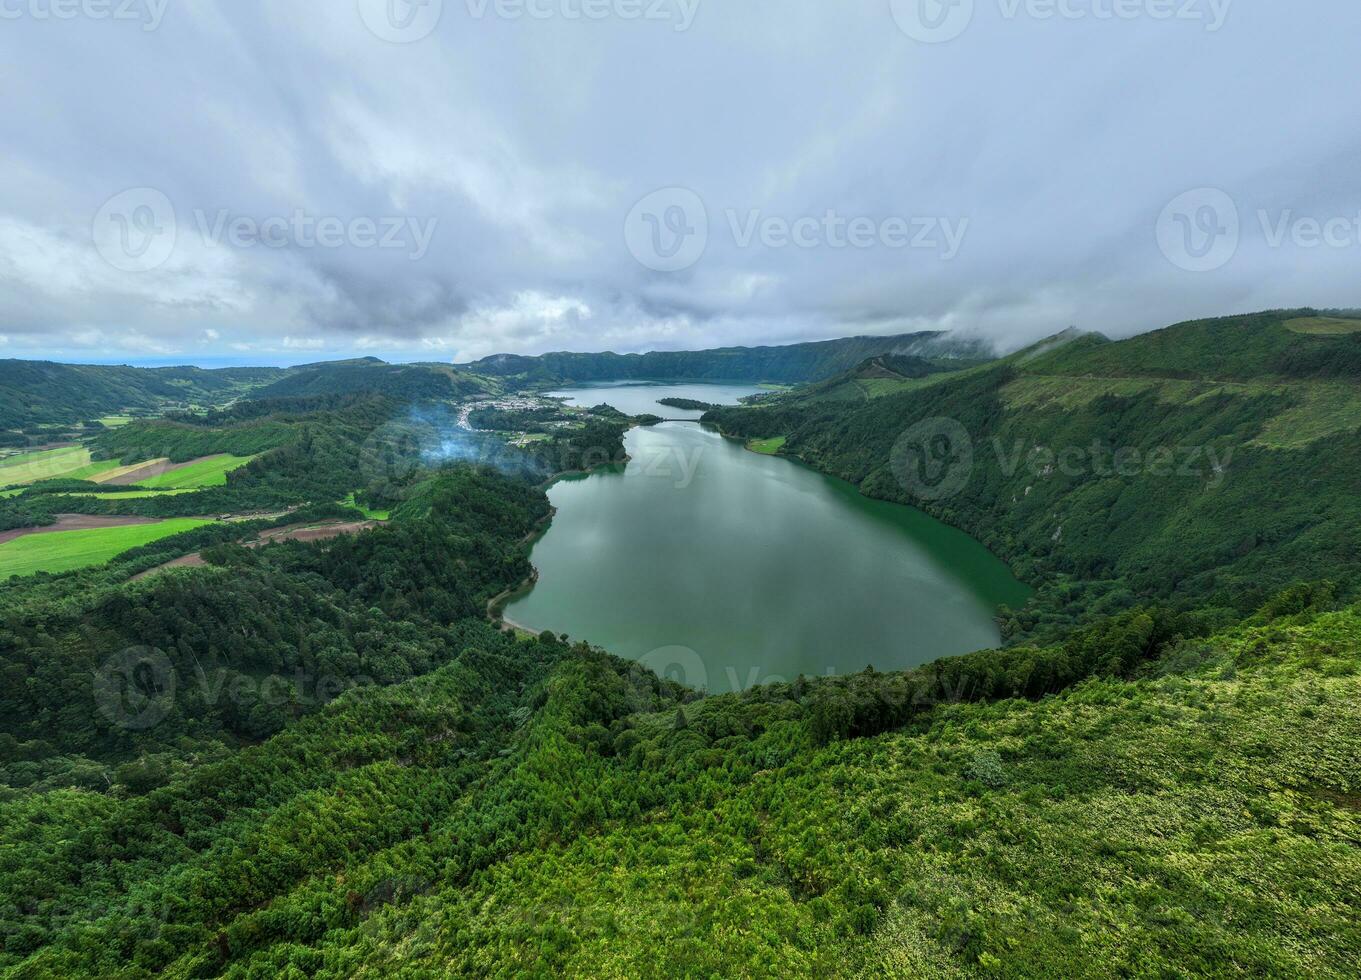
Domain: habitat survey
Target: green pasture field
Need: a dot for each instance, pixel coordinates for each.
(64, 551)
(768, 447)
(208, 472)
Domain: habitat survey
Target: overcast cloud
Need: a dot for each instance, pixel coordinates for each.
(312, 179)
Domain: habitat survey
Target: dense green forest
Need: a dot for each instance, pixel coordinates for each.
(1188, 808)
(323, 759)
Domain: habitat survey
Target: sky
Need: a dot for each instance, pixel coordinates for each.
(257, 181)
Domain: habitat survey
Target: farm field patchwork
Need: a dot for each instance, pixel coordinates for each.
(210, 471)
(64, 551)
(46, 464)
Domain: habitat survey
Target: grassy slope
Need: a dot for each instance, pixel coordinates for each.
(201, 473)
(1237, 348)
(64, 551)
(42, 465)
(71, 463)
(767, 446)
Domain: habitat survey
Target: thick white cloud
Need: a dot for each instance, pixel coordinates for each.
(1029, 158)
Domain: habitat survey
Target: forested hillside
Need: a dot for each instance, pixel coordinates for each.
(412, 382)
(41, 392)
(1106, 483)
(793, 364)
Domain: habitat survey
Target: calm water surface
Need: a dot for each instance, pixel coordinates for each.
(724, 568)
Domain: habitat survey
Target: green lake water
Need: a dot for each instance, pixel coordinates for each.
(724, 569)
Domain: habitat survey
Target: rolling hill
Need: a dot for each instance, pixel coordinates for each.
(792, 364)
(46, 393)
(412, 382)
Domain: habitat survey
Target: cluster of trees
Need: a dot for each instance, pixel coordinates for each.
(598, 442)
(686, 404)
